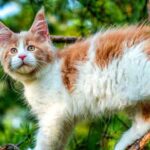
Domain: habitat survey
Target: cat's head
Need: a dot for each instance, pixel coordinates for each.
(24, 54)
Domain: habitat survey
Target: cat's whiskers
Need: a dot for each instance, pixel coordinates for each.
(43, 62)
(4, 76)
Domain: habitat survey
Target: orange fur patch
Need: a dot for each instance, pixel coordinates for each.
(71, 56)
(6, 56)
(110, 45)
(145, 111)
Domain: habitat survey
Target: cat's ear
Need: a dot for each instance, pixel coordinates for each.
(40, 26)
(5, 33)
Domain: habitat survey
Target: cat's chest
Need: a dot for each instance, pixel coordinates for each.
(43, 94)
(37, 94)
(41, 99)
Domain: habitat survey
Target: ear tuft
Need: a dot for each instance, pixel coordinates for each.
(40, 14)
(39, 25)
(5, 33)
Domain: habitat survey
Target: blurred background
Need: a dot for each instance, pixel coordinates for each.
(67, 18)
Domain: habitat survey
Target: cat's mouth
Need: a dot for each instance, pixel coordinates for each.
(25, 68)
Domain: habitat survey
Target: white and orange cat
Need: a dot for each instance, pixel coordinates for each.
(107, 72)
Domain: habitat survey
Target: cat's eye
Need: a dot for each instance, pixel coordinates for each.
(13, 50)
(31, 48)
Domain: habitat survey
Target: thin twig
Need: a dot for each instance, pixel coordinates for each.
(122, 122)
(65, 39)
(148, 9)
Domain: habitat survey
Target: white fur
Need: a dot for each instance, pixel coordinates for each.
(123, 83)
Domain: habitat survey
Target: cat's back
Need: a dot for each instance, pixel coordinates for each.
(105, 68)
(101, 50)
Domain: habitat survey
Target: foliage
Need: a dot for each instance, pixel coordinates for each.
(67, 17)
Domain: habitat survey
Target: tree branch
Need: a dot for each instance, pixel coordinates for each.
(65, 39)
(9, 147)
(140, 143)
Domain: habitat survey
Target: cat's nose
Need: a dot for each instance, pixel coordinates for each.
(22, 57)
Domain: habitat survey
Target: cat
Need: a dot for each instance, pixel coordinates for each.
(106, 72)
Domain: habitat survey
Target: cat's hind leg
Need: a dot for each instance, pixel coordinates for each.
(140, 125)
